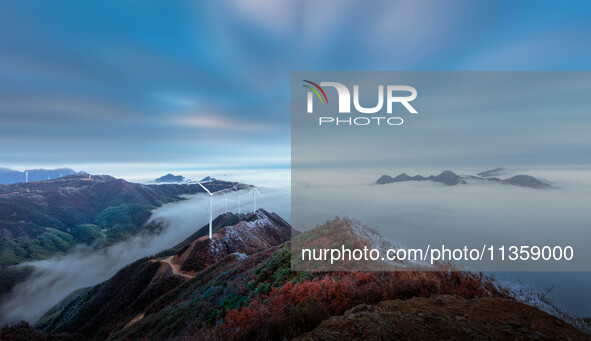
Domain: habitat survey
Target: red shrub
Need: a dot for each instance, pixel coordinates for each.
(297, 308)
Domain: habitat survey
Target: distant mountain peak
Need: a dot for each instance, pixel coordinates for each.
(493, 172)
(385, 179)
(170, 178)
(450, 178)
(402, 176)
(447, 172)
(526, 181)
(11, 176)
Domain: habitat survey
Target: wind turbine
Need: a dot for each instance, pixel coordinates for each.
(210, 205)
(235, 189)
(255, 191)
(210, 209)
(239, 206)
(226, 199)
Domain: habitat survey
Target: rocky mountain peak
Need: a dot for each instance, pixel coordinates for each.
(253, 232)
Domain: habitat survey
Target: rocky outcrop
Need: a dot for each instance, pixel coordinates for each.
(245, 237)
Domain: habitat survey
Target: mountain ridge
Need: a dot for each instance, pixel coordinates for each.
(9, 176)
(450, 178)
(256, 296)
(493, 172)
(148, 276)
(41, 219)
(170, 178)
(443, 317)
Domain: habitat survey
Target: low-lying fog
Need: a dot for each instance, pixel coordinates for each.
(55, 278)
(420, 213)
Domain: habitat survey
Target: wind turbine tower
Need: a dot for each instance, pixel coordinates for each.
(26, 176)
(226, 199)
(239, 203)
(255, 191)
(210, 209)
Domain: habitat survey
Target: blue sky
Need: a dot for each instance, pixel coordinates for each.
(100, 84)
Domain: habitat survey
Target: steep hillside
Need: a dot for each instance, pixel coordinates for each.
(239, 286)
(148, 286)
(40, 219)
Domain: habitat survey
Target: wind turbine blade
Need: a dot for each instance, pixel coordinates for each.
(221, 191)
(199, 183)
(258, 192)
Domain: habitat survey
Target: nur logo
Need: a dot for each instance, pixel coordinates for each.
(345, 97)
(402, 94)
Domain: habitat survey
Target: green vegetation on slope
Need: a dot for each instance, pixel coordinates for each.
(42, 219)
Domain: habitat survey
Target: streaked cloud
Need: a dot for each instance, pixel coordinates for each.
(79, 84)
(218, 122)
